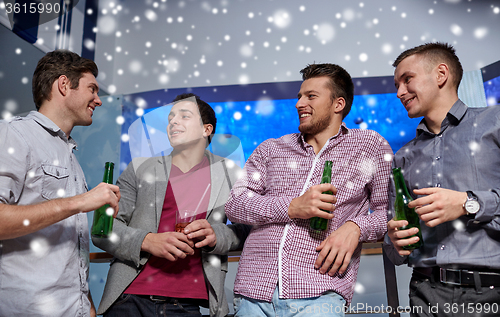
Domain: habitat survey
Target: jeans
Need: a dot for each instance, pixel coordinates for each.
(330, 304)
(128, 305)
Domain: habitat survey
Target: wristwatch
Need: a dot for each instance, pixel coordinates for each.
(471, 205)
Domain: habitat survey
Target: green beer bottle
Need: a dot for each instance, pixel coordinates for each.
(317, 223)
(103, 220)
(402, 211)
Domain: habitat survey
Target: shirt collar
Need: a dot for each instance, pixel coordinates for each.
(454, 116)
(49, 125)
(342, 131)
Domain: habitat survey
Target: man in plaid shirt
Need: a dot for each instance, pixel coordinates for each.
(286, 268)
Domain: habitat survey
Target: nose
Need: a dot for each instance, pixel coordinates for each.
(401, 91)
(97, 101)
(300, 103)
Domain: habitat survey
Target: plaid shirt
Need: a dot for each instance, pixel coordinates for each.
(280, 250)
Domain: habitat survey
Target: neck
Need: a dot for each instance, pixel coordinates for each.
(54, 114)
(319, 140)
(435, 117)
(186, 159)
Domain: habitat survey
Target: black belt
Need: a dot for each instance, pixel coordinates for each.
(175, 300)
(463, 277)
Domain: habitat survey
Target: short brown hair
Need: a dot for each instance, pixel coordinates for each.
(436, 53)
(52, 66)
(340, 82)
(207, 114)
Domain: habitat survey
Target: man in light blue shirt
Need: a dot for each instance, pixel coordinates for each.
(44, 237)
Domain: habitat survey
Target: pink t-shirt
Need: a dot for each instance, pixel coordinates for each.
(182, 278)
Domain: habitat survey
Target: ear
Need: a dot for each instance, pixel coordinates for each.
(207, 129)
(442, 74)
(63, 85)
(338, 105)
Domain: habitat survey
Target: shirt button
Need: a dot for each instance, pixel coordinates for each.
(438, 158)
(443, 247)
(438, 185)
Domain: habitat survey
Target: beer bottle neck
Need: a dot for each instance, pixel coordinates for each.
(399, 182)
(108, 173)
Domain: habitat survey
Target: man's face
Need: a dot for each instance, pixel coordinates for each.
(83, 100)
(417, 86)
(185, 127)
(314, 105)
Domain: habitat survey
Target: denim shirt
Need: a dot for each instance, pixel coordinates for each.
(463, 156)
(43, 273)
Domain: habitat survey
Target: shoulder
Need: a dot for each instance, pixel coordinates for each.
(140, 165)
(369, 139)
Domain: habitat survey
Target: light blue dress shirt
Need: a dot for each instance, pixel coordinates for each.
(44, 273)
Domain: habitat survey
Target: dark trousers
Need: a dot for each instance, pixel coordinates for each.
(429, 297)
(128, 305)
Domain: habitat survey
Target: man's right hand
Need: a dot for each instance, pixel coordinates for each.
(99, 196)
(168, 245)
(313, 202)
(399, 238)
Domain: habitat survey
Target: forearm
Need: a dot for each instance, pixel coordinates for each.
(127, 246)
(249, 208)
(229, 237)
(17, 221)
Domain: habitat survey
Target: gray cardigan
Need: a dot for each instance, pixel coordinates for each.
(143, 185)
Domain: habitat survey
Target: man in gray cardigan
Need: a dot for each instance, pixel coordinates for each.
(157, 270)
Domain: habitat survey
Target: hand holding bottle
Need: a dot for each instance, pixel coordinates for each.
(313, 202)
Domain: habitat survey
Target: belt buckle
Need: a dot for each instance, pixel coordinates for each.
(443, 278)
(155, 298)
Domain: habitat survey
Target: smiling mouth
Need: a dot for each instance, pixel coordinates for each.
(408, 101)
(91, 110)
(304, 115)
(174, 133)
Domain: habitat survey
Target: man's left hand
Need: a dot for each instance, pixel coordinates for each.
(336, 250)
(438, 205)
(201, 230)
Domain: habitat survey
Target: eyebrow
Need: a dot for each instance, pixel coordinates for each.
(180, 110)
(306, 92)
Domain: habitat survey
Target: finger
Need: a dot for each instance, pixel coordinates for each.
(199, 234)
(321, 256)
(340, 261)
(331, 258)
(422, 201)
(321, 246)
(327, 198)
(404, 242)
(395, 224)
(209, 240)
(402, 234)
(325, 187)
(426, 191)
(434, 222)
(181, 239)
(345, 263)
(322, 214)
(196, 225)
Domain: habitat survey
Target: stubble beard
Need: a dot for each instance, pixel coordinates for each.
(316, 126)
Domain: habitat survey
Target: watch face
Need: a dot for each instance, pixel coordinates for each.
(472, 206)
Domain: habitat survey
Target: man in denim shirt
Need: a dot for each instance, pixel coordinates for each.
(44, 240)
(452, 168)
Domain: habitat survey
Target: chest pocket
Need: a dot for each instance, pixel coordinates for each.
(55, 180)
